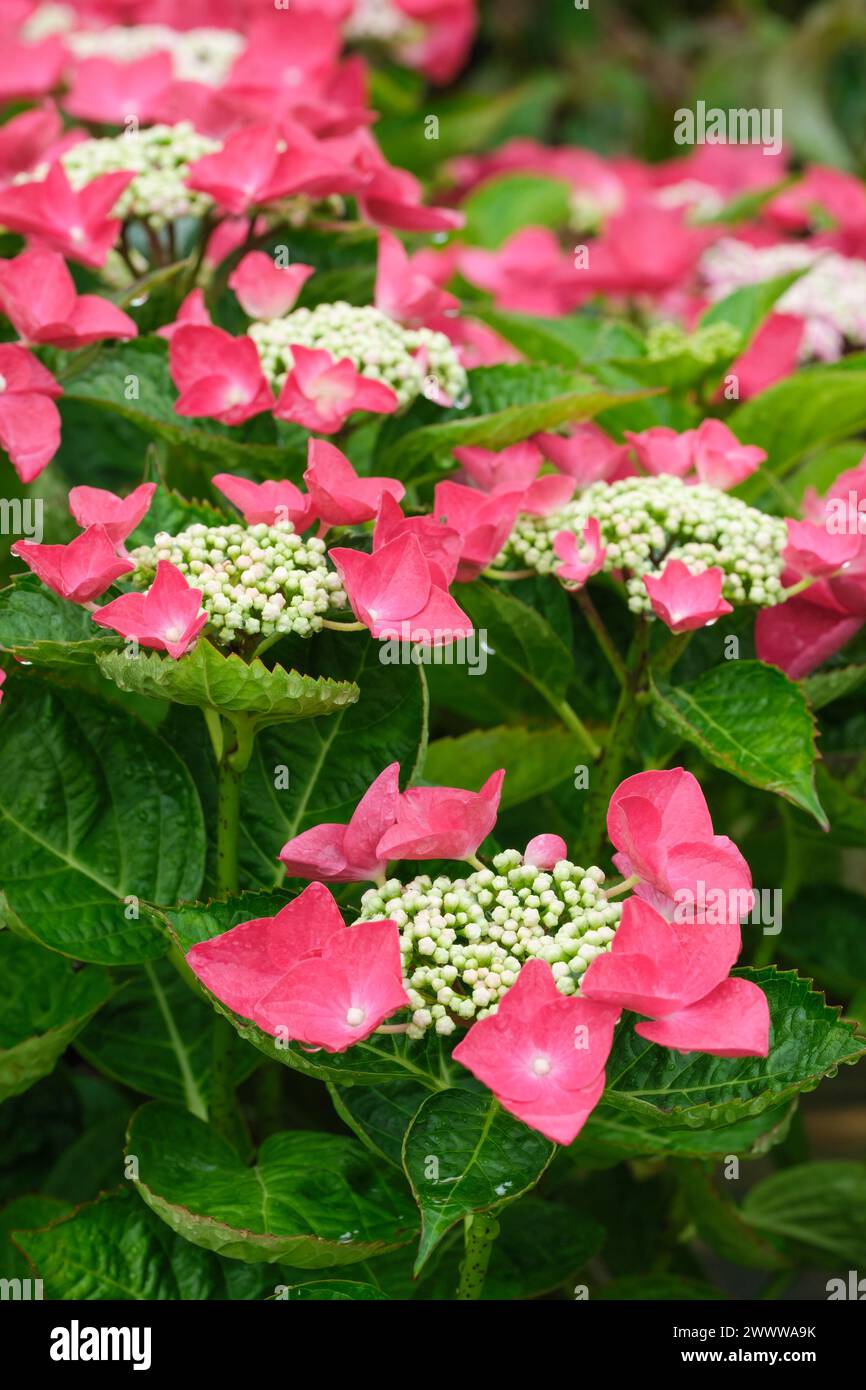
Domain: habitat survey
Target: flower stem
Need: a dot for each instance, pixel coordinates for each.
(228, 821)
(617, 746)
(474, 861)
(601, 634)
(509, 575)
(577, 727)
(479, 1233)
(344, 627)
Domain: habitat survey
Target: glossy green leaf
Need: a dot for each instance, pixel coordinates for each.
(521, 638)
(534, 760)
(813, 408)
(823, 687)
(39, 626)
(748, 307)
(815, 1211)
(719, 1222)
(575, 340)
(501, 206)
(22, 1214)
(380, 1114)
(824, 931)
(333, 1291)
(612, 1134)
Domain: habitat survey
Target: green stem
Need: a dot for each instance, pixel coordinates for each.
(479, 1233)
(228, 823)
(577, 727)
(343, 627)
(617, 745)
(601, 634)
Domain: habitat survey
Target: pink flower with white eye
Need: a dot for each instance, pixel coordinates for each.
(38, 296)
(167, 618)
(660, 449)
(80, 571)
(442, 822)
(662, 830)
(264, 289)
(678, 976)
(441, 545)
(266, 503)
(403, 291)
(52, 213)
(542, 1054)
(483, 522)
(348, 853)
(218, 376)
(580, 562)
(321, 393)
(543, 851)
(117, 516)
(29, 419)
(395, 594)
(586, 454)
(106, 91)
(340, 496)
(815, 551)
(685, 600)
(719, 458)
(192, 313)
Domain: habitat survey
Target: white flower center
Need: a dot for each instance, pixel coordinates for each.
(172, 634)
(355, 1017)
(2, 383)
(76, 234)
(541, 1066)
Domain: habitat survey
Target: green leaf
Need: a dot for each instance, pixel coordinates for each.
(751, 721)
(463, 1153)
(520, 638)
(501, 206)
(114, 1248)
(208, 679)
(720, 1223)
(815, 407)
(155, 1037)
(105, 819)
(312, 1200)
(22, 1214)
(808, 1041)
(39, 626)
(655, 1288)
(611, 1135)
(814, 1211)
(823, 932)
(380, 1114)
(334, 1291)
(575, 340)
(46, 1004)
(170, 512)
(534, 760)
(824, 687)
(748, 307)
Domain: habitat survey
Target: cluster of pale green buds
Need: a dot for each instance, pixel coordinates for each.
(646, 521)
(159, 156)
(380, 21)
(412, 361)
(197, 55)
(463, 941)
(716, 342)
(254, 580)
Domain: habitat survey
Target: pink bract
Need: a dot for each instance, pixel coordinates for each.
(118, 516)
(342, 497)
(167, 618)
(685, 599)
(80, 571)
(321, 393)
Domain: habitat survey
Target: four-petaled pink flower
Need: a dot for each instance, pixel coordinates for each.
(80, 571)
(305, 976)
(660, 449)
(816, 551)
(168, 617)
(217, 375)
(264, 289)
(528, 274)
(515, 469)
(684, 599)
(340, 496)
(542, 1054)
(268, 502)
(76, 223)
(395, 593)
(118, 516)
(483, 522)
(719, 458)
(442, 822)
(38, 296)
(321, 393)
(29, 419)
(348, 853)
(661, 827)
(106, 91)
(677, 974)
(586, 454)
(441, 544)
(403, 291)
(579, 562)
(265, 162)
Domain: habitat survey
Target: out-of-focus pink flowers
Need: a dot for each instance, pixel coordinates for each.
(719, 458)
(396, 594)
(684, 599)
(529, 274)
(321, 393)
(661, 827)
(442, 822)
(117, 516)
(678, 976)
(105, 91)
(441, 545)
(579, 562)
(264, 289)
(542, 1054)
(773, 354)
(25, 139)
(29, 70)
(403, 290)
(80, 571)
(51, 212)
(660, 449)
(218, 376)
(814, 551)
(340, 496)
(192, 313)
(29, 419)
(38, 296)
(167, 618)
(348, 853)
(305, 976)
(515, 469)
(482, 521)
(644, 249)
(393, 198)
(266, 161)
(587, 454)
(268, 502)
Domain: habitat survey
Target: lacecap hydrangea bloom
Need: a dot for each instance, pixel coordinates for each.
(645, 522)
(254, 580)
(159, 156)
(412, 361)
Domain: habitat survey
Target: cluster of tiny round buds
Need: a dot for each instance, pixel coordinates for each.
(405, 359)
(717, 342)
(254, 580)
(646, 521)
(197, 55)
(464, 941)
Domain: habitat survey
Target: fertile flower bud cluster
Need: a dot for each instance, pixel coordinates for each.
(411, 361)
(464, 941)
(380, 21)
(197, 55)
(646, 521)
(160, 156)
(254, 580)
(717, 342)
